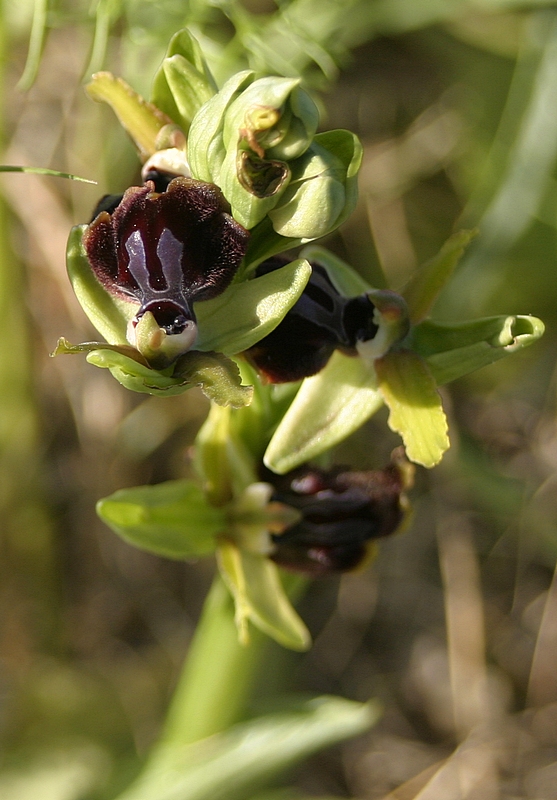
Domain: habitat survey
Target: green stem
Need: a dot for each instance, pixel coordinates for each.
(216, 679)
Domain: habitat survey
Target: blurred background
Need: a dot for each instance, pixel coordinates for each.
(454, 625)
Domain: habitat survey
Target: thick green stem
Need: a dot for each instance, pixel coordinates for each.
(216, 679)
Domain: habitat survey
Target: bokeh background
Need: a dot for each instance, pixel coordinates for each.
(454, 626)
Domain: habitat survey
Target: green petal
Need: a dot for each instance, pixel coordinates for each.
(110, 315)
(248, 311)
(184, 82)
(63, 347)
(415, 406)
(142, 120)
(171, 519)
(190, 89)
(423, 288)
(452, 351)
(328, 407)
(260, 598)
(217, 376)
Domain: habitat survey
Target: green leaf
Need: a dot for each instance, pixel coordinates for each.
(36, 42)
(452, 351)
(184, 82)
(259, 597)
(328, 407)
(171, 519)
(234, 764)
(249, 310)
(52, 173)
(142, 120)
(414, 403)
(110, 315)
(423, 288)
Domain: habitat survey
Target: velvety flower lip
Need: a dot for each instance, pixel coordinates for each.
(166, 250)
(342, 512)
(321, 321)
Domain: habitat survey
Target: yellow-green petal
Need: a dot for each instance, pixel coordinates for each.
(416, 412)
(142, 120)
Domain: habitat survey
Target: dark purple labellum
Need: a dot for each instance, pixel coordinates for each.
(166, 250)
(321, 321)
(342, 512)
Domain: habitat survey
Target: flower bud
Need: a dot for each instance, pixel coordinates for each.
(342, 513)
(322, 191)
(245, 137)
(275, 117)
(321, 321)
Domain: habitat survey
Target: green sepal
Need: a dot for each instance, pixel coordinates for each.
(183, 83)
(452, 351)
(171, 519)
(344, 278)
(260, 598)
(328, 407)
(322, 191)
(416, 412)
(249, 310)
(263, 243)
(217, 376)
(424, 286)
(206, 150)
(109, 314)
(141, 120)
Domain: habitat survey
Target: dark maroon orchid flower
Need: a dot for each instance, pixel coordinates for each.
(166, 249)
(319, 322)
(342, 513)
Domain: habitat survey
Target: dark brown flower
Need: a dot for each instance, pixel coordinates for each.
(321, 321)
(343, 511)
(166, 250)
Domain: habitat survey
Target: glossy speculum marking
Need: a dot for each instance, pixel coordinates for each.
(167, 249)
